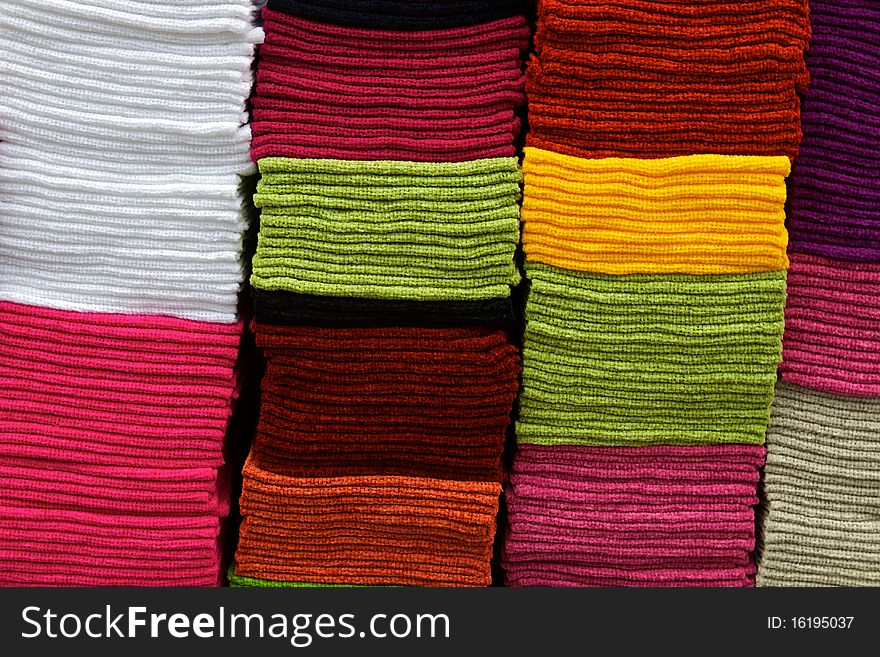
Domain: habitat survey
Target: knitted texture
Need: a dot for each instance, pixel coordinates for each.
(820, 520)
(112, 433)
(821, 524)
(396, 401)
(384, 132)
(835, 208)
(388, 230)
(290, 308)
(122, 137)
(376, 530)
(660, 78)
(103, 489)
(325, 91)
(401, 14)
(647, 516)
(114, 390)
(699, 214)
(673, 359)
(832, 326)
(60, 547)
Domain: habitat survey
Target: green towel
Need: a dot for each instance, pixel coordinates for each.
(649, 359)
(388, 230)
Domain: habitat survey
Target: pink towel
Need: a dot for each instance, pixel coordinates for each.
(618, 516)
(325, 91)
(61, 484)
(58, 547)
(115, 390)
(112, 433)
(832, 326)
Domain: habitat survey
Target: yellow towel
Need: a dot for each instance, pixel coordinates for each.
(696, 214)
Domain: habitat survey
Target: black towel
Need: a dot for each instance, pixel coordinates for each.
(291, 308)
(401, 14)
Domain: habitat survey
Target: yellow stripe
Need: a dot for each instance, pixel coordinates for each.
(697, 214)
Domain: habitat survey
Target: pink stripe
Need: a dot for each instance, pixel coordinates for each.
(59, 483)
(105, 389)
(304, 30)
(832, 334)
(409, 94)
(627, 516)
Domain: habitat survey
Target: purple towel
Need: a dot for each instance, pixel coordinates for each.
(835, 207)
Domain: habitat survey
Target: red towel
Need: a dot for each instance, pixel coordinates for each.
(666, 78)
(403, 401)
(326, 91)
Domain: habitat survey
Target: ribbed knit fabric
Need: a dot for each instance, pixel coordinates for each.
(388, 230)
(649, 516)
(325, 91)
(677, 359)
(658, 78)
(112, 414)
(385, 133)
(822, 490)
(832, 326)
(395, 401)
(699, 214)
(661, 134)
(366, 530)
(122, 137)
(103, 489)
(835, 208)
(114, 390)
(59, 547)
(291, 308)
(401, 14)
(821, 519)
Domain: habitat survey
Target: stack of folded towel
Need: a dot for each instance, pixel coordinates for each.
(821, 525)
(659, 78)
(388, 230)
(378, 93)
(821, 521)
(123, 137)
(707, 214)
(655, 242)
(419, 402)
(385, 136)
(832, 325)
(640, 516)
(679, 359)
(371, 529)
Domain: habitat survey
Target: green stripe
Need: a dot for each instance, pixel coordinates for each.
(649, 359)
(388, 230)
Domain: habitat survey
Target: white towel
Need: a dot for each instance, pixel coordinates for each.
(821, 514)
(123, 136)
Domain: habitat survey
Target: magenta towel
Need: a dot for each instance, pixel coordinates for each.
(112, 433)
(115, 390)
(58, 547)
(326, 91)
(832, 326)
(61, 484)
(614, 516)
